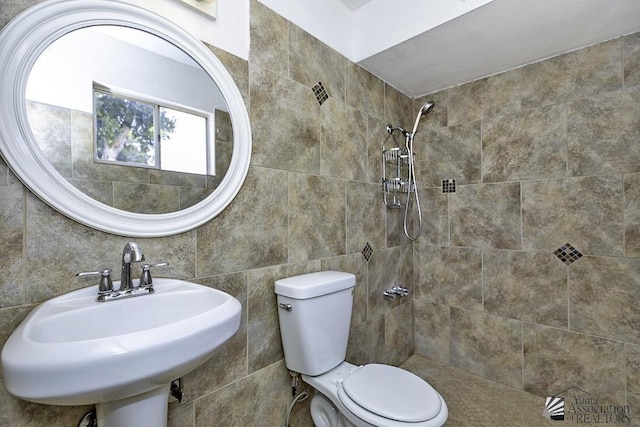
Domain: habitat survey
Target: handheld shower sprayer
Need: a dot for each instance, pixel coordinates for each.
(426, 107)
(403, 159)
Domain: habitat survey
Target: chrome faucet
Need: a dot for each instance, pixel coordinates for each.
(130, 253)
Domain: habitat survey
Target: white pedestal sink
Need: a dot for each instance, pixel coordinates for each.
(120, 355)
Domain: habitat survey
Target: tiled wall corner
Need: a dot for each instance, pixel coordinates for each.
(556, 359)
(487, 345)
(552, 209)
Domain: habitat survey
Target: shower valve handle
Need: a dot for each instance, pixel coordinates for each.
(396, 291)
(401, 290)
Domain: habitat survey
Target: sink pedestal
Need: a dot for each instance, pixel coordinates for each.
(144, 410)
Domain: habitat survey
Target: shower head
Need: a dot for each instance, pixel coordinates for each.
(426, 107)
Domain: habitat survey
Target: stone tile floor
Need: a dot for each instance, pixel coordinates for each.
(474, 401)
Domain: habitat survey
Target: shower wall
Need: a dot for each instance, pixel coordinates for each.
(529, 273)
(311, 202)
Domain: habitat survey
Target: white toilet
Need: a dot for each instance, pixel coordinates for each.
(315, 317)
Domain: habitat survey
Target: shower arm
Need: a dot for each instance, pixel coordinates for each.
(391, 129)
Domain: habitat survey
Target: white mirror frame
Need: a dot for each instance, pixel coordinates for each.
(21, 43)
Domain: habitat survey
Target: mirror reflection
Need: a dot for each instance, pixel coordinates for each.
(129, 119)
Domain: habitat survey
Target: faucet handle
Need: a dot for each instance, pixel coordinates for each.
(106, 285)
(401, 290)
(145, 279)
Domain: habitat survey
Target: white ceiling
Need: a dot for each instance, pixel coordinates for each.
(496, 37)
(354, 4)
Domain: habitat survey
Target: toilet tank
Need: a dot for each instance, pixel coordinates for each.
(315, 316)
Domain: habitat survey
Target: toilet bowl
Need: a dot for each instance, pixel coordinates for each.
(324, 414)
(374, 395)
(314, 311)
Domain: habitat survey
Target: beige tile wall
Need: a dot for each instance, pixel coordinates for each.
(311, 202)
(544, 155)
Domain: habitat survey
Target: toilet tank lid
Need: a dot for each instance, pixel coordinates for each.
(314, 284)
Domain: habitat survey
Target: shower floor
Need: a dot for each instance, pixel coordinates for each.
(478, 402)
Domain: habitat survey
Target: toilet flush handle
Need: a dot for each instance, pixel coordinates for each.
(284, 306)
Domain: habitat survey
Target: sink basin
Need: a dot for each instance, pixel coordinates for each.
(72, 350)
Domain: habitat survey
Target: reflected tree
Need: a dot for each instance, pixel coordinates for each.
(125, 129)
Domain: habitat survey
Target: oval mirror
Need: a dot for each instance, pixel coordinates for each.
(119, 119)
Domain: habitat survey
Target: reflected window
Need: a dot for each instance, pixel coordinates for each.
(151, 133)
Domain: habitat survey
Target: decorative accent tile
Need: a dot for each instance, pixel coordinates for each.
(448, 185)
(320, 92)
(567, 254)
(367, 251)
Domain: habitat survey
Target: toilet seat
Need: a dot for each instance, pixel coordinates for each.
(389, 396)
